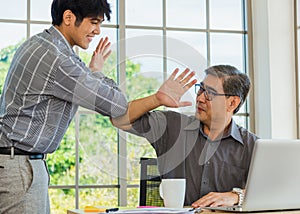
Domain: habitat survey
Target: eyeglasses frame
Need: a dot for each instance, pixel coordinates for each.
(209, 95)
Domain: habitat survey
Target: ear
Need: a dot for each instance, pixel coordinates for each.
(68, 17)
(233, 103)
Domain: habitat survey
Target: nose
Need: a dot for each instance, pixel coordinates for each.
(201, 98)
(97, 30)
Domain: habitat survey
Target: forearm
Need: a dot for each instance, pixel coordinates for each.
(135, 110)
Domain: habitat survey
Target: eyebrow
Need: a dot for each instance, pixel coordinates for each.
(209, 88)
(97, 19)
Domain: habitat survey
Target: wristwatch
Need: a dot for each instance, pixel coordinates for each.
(240, 193)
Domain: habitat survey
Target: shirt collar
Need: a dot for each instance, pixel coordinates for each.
(56, 34)
(233, 130)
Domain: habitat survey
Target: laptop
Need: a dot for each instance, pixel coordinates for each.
(274, 178)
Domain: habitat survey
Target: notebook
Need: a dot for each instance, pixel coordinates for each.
(274, 177)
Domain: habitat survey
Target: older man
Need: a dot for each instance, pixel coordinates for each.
(209, 149)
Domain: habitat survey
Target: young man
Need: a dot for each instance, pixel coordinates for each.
(45, 84)
(209, 149)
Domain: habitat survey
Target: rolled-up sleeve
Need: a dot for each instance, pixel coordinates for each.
(75, 83)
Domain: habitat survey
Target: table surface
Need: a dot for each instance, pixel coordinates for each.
(76, 211)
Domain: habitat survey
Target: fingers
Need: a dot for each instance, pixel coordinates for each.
(184, 78)
(103, 46)
(182, 75)
(184, 104)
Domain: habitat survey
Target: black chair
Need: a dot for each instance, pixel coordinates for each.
(149, 183)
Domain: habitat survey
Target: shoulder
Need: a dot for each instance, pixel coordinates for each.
(248, 137)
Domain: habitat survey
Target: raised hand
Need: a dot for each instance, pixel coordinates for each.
(171, 91)
(100, 55)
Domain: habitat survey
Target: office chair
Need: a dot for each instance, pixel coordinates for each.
(149, 183)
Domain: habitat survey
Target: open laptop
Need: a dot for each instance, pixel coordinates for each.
(274, 177)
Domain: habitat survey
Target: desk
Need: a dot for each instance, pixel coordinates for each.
(203, 212)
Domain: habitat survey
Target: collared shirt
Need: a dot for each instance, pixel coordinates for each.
(45, 84)
(184, 151)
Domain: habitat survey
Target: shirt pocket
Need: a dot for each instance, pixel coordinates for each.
(230, 176)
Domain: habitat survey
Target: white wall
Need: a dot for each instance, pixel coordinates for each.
(274, 68)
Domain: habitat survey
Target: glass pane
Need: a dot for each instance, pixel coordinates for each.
(241, 121)
(114, 12)
(144, 65)
(226, 14)
(227, 49)
(11, 34)
(37, 28)
(187, 50)
(98, 197)
(98, 150)
(143, 12)
(41, 10)
(137, 147)
(61, 200)
(188, 13)
(61, 164)
(133, 196)
(7, 11)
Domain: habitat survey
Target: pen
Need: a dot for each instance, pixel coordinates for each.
(111, 210)
(99, 210)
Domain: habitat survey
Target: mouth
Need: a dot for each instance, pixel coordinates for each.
(200, 109)
(90, 38)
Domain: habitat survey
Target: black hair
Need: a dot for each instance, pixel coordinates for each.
(81, 9)
(234, 81)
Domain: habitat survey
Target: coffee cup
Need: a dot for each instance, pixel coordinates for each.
(172, 191)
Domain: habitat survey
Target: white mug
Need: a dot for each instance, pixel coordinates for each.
(172, 191)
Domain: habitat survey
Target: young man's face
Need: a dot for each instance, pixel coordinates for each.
(211, 111)
(85, 32)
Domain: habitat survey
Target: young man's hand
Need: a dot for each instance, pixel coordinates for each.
(100, 55)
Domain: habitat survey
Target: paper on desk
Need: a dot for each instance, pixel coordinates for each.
(158, 210)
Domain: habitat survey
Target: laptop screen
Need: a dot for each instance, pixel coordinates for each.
(274, 176)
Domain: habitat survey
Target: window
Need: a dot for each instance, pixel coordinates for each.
(96, 163)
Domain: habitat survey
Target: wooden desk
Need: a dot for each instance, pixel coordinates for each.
(203, 212)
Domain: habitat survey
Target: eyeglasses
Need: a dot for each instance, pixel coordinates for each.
(208, 94)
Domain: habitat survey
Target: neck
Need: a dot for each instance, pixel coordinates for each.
(216, 129)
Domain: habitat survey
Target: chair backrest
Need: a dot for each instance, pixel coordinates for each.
(149, 183)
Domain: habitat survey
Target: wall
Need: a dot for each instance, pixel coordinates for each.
(274, 68)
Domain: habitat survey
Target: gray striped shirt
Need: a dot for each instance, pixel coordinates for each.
(45, 84)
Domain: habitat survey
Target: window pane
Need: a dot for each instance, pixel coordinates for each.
(41, 10)
(61, 164)
(226, 14)
(98, 197)
(37, 28)
(143, 12)
(114, 13)
(144, 65)
(7, 11)
(137, 147)
(11, 34)
(98, 150)
(187, 50)
(61, 200)
(227, 49)
(187, 14)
